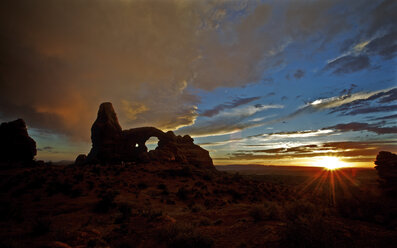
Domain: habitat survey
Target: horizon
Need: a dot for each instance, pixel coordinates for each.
(288, 83)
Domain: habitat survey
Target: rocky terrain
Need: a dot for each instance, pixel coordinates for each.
(121, 195)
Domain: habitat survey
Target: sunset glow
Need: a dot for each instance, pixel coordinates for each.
(330, 163)
(222, 72)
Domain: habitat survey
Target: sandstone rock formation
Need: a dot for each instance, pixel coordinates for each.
(15, 143)
(111, 144)
(386, 165)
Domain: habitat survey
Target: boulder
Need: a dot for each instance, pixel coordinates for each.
(81, 159)
(111, 144)
(15, 143)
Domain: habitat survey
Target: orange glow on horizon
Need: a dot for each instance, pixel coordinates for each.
(330, 163)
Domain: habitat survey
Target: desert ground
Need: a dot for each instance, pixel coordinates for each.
(170, 205)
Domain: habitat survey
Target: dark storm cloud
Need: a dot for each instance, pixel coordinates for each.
(383, 18)
(60, 59)
(299, 74)
(357, 126)
(233, 104)
(348, 64)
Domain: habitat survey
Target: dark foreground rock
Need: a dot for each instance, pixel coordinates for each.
(15, 143)
(111, 144)
(386, 165)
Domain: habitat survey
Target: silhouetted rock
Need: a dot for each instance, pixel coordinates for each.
(15, 143)
(105, 135)
(81, 159)
(111, 144)
(386, 165)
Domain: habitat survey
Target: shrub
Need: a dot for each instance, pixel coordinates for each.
(299, 208)
(106, 201)
(162, 186)
(184, 236)
(142, 185)
(258, 213)
(313, 232)
(269, 211)
(125, 211)
(204, 221)
(150, 214)
(182, 194)
(41, 226)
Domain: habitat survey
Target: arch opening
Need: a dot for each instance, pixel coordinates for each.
(152, 143)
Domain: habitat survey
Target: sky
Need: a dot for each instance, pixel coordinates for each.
(253, 82)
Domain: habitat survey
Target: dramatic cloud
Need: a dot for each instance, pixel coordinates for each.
(60, 60)
(357, 126)
(235, 103)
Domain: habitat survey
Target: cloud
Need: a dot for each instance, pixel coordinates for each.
(357, 126)
(235, 103)
(227, 122)
(300, 134)
(299, 74)
(376, 109)
(348, 64)
(60, 61)
(377, 38)
(388, 117)
(46, 148)
(270, 94)
(363, 103)
(346, 104)
(385, 46)
(358, 57)
(352, 151)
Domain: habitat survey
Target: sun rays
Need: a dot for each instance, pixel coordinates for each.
(331, 180)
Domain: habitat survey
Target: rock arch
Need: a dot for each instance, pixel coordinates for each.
(111, 144)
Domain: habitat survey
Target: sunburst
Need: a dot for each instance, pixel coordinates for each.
(330, 163)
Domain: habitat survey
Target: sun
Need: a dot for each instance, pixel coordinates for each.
(330, 163)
